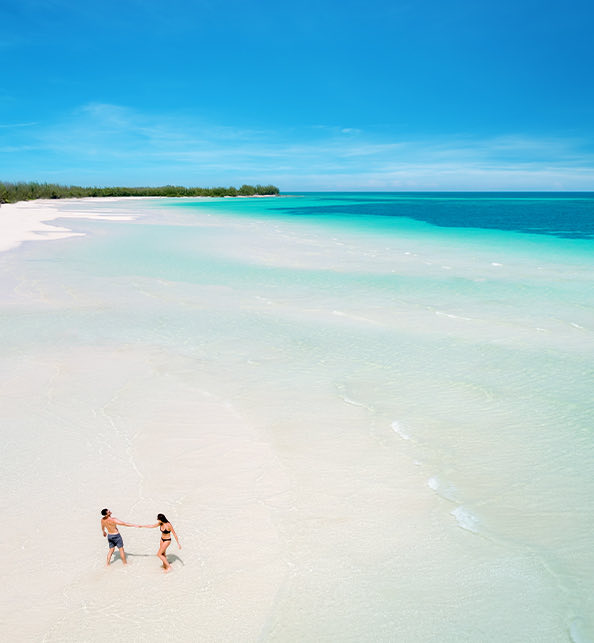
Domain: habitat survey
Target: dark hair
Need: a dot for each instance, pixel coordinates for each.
(161, 518)
(104, 512)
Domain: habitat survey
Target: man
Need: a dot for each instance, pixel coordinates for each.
(114, 538)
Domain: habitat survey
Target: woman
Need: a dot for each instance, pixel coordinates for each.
(166, 530)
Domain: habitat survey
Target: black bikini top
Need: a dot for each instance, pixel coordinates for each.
(165, 531)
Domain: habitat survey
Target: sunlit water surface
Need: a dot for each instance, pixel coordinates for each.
(416, 375)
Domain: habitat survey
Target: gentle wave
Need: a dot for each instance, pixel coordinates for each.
(443, 489)
(466, 519)
(397, 428)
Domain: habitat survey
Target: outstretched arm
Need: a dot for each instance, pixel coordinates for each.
(126, 524)
(149, 526)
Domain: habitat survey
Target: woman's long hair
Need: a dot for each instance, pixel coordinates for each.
(161, 518)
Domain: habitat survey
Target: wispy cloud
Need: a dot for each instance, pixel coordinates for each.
(14, 125)
(102, 143)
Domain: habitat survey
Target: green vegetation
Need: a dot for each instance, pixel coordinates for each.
(12, 192)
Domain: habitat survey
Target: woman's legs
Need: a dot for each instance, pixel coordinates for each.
(162, 556)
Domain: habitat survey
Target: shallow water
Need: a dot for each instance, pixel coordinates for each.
(365, 426)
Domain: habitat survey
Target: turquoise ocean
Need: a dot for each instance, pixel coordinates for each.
(420, 365)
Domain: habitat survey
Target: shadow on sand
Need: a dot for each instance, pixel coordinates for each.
(171, 558)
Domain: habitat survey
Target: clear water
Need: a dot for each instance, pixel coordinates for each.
(419, 367)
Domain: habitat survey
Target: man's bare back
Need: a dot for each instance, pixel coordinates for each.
(109, 528)
(109, 524)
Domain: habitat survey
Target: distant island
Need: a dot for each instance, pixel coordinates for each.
(13, 192)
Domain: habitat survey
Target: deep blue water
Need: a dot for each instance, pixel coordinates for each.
(566, 215)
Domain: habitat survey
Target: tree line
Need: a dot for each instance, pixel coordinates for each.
(12, 192)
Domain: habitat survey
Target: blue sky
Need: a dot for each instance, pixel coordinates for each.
(315, 95)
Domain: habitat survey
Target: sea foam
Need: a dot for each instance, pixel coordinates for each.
(397, 428)
(466, 519)
(443, 488)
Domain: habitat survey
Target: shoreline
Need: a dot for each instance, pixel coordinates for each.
(28, 220)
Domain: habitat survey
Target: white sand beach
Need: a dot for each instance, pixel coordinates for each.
(98, 430)
(304, 438)
(27, 221)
